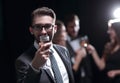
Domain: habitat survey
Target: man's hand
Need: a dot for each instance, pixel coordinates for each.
(41, 55)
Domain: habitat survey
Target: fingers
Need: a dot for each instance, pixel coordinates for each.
(44, 50)
(111, 74)
(41, 55)
(44, 53)
(44, 46)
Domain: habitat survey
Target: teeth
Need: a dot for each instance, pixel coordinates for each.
(44, 38)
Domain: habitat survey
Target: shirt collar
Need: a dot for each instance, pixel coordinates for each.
(36, 45)
(68, 38)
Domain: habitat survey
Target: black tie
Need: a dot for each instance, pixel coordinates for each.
(56, 71)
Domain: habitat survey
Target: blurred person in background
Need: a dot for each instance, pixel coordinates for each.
(81, 62)
(60, 36)
(109, 63)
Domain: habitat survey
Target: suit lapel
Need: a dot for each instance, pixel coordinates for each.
(49, 74)
(66, 61)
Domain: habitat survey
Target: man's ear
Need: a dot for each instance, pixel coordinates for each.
(31, 30)
(55, 29)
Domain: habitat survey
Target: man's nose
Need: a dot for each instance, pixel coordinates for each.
(43, 31)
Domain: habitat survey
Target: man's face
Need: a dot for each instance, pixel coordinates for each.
(73, 28)
(43, 25)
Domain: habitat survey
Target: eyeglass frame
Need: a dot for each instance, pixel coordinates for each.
(39, 27)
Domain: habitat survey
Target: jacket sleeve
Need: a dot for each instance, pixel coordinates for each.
(25, 73)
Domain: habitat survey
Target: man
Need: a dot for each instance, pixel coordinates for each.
(79, 58)
(36, 65)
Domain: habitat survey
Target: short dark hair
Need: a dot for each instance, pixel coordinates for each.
(42, 11)
(59, 24)
(70, 18)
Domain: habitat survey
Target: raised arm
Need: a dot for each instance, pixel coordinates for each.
(100, 62)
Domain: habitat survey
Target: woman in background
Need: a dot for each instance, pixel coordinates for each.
(60, 36)
(110, 61)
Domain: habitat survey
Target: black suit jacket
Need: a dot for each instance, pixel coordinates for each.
(25, 74)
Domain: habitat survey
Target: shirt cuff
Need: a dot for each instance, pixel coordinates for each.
(34, 69)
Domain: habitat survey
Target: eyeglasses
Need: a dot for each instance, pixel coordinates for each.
(39, 27)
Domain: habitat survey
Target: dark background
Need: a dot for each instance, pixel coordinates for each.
(15, 21)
